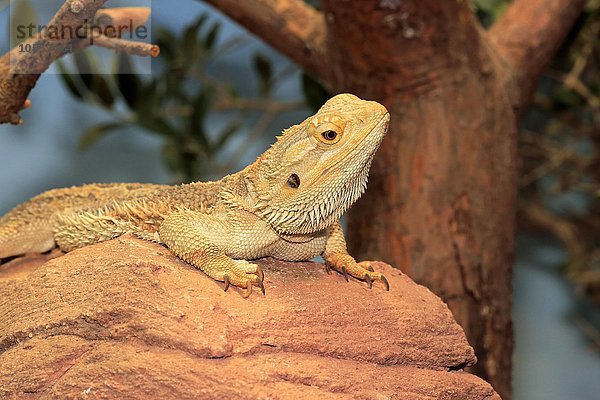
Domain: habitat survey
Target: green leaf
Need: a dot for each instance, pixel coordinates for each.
(4, 4)
(196, 25)
(485, 5)
(94, 133)
(489, 11)
(263, 67)
(84, 69)
(149, 99)
(174, 84)
(191, 43)
(565, 98)
(167, 43)
(172, 156)
(22, 15)
(315, 95)
(232, 91)
(157, 125)
(84, 86)
(200, 107)
(84, 61)
(129, 83)
(211, 36)
(226, 134)
(499, 10)
(96, 84)
(69, 80)
(179, 160)
(102, 91)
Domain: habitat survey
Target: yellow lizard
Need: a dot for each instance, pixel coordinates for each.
(287, 204)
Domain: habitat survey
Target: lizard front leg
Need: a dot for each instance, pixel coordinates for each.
(336, 257)
(202, 240)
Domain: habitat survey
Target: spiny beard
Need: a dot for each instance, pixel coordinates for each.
(330, 208)
(325, 211)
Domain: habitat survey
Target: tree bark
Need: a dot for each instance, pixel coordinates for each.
(291, 26)
(528, 35)
(441, 202)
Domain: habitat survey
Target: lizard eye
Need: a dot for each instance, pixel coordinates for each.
(329, 135)
(294, 181)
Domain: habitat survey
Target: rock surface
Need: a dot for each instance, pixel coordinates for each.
(127, 319)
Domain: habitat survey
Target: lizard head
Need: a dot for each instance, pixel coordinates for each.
(316, 170)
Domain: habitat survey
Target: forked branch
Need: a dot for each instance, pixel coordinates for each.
(19, 71)
(290, 26)
(528, 35)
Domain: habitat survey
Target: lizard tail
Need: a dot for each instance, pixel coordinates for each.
(21, 237)
(28, 228)
(83, 228)
(33, 226)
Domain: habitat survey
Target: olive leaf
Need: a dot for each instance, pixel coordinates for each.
(263, 67)
(94, 133)
(22, 16)
(315, 94)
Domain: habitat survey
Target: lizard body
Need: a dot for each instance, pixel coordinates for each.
(287, 204)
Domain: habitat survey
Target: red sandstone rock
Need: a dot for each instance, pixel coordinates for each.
(126, 319)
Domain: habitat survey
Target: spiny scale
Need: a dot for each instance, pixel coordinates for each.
(217, 225)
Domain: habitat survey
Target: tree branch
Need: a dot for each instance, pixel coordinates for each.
(127, 46)
(528, 35)
(290, 26)
(20, 70)
(420, 40)
(15, 81)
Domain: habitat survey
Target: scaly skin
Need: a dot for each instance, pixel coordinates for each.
(286, 205)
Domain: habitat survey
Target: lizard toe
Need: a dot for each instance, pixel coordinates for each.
(362, 271)
(345, 273)
(244, 275)
(227, 283)
(369, 281)
(246, 293)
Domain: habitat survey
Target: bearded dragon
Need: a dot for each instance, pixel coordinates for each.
(287, 204)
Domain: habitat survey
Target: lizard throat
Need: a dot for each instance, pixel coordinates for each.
(320, 209)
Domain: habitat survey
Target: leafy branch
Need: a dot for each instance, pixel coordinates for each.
(176, 102)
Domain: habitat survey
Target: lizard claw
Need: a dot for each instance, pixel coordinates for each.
(260, 279)
(244, 275)
(363, 270)
(246, 293)
(345, 272)
(385, 282)
(261, 276)
(327, 268)
(261, 285)
(369, 281)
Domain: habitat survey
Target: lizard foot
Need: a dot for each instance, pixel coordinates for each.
(361, 270)
(244, 275)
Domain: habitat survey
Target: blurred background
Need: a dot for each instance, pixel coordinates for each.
(216, 98)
